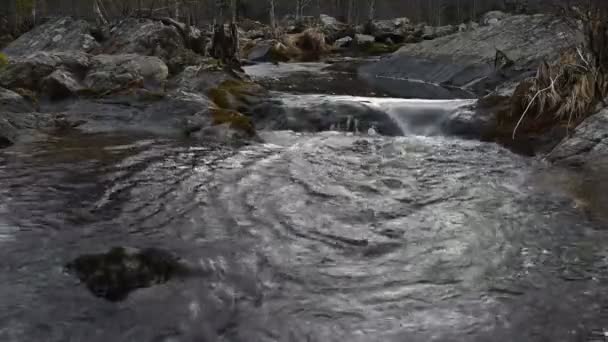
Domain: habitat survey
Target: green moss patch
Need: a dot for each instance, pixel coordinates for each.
(3, 60)
(380, 48)
(231, 94)
(234, 119)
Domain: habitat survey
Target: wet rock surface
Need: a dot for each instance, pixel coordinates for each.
(587, 146)
(31, 126)
(13, 102)
(465, 60)
(115, 274)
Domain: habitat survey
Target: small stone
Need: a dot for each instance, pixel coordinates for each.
(57, 38)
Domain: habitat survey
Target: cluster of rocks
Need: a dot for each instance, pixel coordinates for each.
(138, 73)
(260, 43)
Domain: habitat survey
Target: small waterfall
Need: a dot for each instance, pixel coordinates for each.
(387, 116)
(423, 117)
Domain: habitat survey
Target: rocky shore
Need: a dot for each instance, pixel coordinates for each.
(140, 74)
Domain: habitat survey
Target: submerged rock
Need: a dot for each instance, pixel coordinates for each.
(115, 274)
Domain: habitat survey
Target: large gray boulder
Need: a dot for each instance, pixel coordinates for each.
(177, 44)
(29, 72)
(110, 73)
(144, 37)
(466, 59)
(61, 34)
(588, 146)
(61, 74)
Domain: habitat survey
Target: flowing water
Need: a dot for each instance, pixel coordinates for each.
(327, 236)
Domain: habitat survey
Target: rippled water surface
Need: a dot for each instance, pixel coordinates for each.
(321, 237)
(306, 237)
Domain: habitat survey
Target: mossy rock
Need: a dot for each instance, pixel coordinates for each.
(234, 119)
(3, 60)
(221, 97)
(235, 94)
(379, 48)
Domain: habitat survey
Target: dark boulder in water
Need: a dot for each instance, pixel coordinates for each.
(115, 274)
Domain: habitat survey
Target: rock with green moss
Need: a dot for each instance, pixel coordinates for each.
(3, 60)
(237, 95)
(379, 48)
(221, 125)
(115, 274)
(235, 120)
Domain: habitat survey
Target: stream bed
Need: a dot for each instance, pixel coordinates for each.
(337, 235)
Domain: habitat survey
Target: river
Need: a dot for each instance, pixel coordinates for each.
(347, 234)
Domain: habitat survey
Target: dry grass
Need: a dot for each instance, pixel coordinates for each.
(309, 45)
(568, 90)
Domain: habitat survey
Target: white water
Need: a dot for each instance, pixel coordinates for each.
(411, 116)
